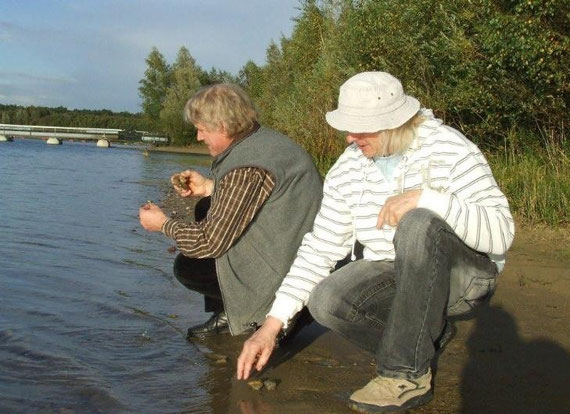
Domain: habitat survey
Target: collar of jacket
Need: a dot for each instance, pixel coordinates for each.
(236, 141)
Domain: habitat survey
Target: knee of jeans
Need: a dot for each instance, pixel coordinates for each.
(318, 302)
(417, 224)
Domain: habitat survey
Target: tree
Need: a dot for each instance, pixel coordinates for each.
(154, 85)
(185, 82)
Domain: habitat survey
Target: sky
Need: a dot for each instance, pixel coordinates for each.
(90, 54)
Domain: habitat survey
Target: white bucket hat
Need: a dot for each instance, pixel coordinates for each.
(371, 102)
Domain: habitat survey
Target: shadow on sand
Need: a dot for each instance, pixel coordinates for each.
(506, 374)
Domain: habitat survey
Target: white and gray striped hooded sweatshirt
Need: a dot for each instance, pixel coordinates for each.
(457, 184)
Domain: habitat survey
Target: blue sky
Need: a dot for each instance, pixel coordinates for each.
(91, 53)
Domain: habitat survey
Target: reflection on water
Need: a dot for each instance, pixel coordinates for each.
(91, 318)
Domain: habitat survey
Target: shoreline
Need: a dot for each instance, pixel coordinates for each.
(190, 149)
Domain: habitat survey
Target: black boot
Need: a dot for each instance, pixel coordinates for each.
(216, 325)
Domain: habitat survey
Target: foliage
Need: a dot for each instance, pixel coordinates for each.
(300, 81)
(165, 89)
(216, 76)
(60, 116)
(485, 66)
(535, 178)
(495, 69)
(185, 82)
(154, 85)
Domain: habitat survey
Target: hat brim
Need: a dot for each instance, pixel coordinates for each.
(373, 123)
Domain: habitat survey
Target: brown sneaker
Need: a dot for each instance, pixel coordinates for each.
(387, 395)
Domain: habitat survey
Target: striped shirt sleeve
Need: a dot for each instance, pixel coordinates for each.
(238, 197)
(330, 241)
(474, 206)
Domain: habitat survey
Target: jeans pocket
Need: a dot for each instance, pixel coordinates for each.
(478, 291)
(373, 304)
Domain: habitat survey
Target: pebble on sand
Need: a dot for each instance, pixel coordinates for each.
(270, 384)
(255, 384)
(218, 359)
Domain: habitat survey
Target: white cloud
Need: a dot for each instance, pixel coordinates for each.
(28, 77)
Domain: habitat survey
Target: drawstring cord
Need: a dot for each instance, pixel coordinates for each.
(364, 179)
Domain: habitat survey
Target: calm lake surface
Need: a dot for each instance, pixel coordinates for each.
(91, 317)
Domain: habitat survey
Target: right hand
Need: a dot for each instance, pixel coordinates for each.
(258, 348)
(198, 185)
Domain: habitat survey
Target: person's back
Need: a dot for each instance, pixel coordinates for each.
(253, 268)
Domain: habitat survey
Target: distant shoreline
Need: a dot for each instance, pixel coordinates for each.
(190, 149)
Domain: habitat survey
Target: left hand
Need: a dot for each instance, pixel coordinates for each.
(151, 217)
(396, 206)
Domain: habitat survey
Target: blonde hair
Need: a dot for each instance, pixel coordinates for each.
(398, 140)
(222, 106)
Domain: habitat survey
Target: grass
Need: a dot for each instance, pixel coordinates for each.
(536, 180)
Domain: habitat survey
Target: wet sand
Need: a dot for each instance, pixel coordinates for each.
(512, 356)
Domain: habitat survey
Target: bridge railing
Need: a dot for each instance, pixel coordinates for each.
(74, 132)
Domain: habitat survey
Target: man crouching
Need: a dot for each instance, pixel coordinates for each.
(264, 195)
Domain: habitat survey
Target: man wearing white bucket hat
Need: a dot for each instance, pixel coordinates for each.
(421, 199)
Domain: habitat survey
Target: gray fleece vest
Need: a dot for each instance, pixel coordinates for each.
(251, 271)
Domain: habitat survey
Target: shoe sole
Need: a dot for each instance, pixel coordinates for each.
(411, 403)
(446, 337)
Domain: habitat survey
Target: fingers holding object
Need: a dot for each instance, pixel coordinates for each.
(180, 182)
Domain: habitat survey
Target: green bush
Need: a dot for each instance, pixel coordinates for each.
(495, 69)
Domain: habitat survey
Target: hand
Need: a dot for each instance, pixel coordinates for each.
(197, 184)
(151, 217)
(258, 348)
(396, 206)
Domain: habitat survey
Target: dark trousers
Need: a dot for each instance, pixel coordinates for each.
(199, 275)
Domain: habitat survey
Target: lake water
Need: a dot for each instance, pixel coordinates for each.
(91, 317)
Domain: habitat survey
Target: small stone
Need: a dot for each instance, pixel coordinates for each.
(181, 182)
(270, 384)
(325, 362)
(255, 384)
(217, 358)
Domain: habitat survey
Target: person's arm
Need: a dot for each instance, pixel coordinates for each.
(239, 196)
(474, 206)
(329, 242)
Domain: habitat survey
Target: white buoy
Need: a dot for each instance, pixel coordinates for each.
(103, 143)
(3, 138)
(53, 141)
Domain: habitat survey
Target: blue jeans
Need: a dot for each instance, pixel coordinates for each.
(397, 310)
